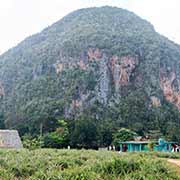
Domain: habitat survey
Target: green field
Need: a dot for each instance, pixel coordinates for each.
(49, 164)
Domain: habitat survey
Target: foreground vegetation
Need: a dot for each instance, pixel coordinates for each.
(49, 164)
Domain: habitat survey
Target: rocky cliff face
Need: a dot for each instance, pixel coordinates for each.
(170, 92)
(122, 69)
(92, 58)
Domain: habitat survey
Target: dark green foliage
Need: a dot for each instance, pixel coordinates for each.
(54, 140)
(58, 138)
(123, 135)
(84, 134)
(32, 143)
(2, 125)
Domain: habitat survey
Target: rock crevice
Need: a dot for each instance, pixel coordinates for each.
(170, 93)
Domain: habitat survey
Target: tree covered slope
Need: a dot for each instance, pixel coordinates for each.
(104, 65)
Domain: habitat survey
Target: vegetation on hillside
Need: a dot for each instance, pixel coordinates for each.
(69, 71)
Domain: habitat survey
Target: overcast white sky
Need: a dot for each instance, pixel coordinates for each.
(21, 18)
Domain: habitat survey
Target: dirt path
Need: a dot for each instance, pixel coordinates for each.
(175, 166)
(174, 161)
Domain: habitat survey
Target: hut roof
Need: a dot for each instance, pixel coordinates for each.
(10, 139)
(145, 142)
(135, 142)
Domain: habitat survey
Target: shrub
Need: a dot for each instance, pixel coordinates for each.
(54, 140)
(31, 143)
(58, 138)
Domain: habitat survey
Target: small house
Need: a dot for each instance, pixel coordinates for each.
(138, 146)
(10, 139)
(131, 146)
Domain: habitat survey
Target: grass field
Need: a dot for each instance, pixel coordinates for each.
(49, 164)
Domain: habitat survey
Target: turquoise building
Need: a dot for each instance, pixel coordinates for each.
(138, 146)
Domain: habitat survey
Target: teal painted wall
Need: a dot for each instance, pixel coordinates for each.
(167, 147)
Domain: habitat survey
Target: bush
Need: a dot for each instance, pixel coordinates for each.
(123, 134)
(58, 138)
(55, 140)
(31, 143)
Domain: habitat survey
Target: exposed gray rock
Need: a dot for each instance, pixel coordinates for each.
(104, 80)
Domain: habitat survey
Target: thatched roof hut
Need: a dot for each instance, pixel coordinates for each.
(10, 139)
